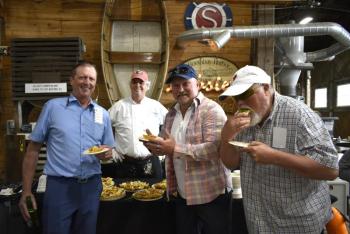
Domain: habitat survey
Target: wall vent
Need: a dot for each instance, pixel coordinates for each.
(43, 60)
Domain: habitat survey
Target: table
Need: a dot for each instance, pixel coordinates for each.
(122, 216)
(134, 217)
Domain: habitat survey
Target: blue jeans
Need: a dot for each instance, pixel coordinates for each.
(71, 206)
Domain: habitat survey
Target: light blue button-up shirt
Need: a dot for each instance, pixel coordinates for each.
(68, 129)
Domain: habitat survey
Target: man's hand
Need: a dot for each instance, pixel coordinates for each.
(106, 155)
(261, 153)
(117, 157)
(234, 125)
(160, 146)
(23, 205)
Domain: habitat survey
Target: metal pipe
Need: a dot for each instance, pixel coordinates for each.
(281, 30)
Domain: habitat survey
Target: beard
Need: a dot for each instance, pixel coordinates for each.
(255, 118)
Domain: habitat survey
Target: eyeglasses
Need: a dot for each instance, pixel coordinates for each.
(247, 93)
(182, 71)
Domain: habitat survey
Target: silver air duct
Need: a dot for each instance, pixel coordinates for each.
(290, 44)
(291, 52)
(208, 36)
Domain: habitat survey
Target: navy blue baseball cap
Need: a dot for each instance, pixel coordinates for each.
(184, 71)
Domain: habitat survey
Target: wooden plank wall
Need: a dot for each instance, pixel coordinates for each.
(236, 50)
(54, 18)
(82, 18)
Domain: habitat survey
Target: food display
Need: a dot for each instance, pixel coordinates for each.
(95, 150)
(112, 193)
(132, 186)
(149, 194)
(107, 182)
(160, 185)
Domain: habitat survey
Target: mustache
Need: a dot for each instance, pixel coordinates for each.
(182, 94)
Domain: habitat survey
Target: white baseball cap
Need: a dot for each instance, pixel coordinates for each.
(244, 78)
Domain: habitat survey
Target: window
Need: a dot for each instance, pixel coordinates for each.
(321, 98)
(343, 95)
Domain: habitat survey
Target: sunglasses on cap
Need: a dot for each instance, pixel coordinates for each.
(248, 93)
(181, 70)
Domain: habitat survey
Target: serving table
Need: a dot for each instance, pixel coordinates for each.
(122, 216)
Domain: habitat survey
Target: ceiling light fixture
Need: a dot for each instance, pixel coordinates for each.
(306, 20)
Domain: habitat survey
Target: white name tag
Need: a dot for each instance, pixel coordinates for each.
(98, 115)
(279, 137)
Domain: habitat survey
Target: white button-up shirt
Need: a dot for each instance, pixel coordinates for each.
(131, 119)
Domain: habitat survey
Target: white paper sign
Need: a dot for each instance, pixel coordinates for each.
(46, 88)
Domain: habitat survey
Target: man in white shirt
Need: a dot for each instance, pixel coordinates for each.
(130, 117)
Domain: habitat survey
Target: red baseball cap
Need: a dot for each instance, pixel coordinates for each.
(139, 74)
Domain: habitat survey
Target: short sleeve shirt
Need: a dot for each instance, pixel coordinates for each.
(277, 200)
(68, 130)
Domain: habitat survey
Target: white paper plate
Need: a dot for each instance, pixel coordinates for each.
(113, 198)
(143, 139)
(239, 144)
(87, 152)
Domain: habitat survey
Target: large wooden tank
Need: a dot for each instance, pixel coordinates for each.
(134, 36)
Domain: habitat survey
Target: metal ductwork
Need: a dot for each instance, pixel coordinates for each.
(281, 30)
(290, 44)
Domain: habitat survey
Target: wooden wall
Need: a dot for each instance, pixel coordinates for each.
(82, 18)
(238, 51)
(45, 18)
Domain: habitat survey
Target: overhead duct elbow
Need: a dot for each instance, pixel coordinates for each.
(207, 36)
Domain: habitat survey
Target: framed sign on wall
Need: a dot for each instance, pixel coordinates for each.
(214, 76)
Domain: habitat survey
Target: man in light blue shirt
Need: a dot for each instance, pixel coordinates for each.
(69, 126)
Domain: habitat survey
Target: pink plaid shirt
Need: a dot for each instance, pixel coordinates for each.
(205, 175)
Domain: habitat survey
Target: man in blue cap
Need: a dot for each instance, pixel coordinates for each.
(190, 139)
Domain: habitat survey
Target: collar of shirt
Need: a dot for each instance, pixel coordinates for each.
(273, 109)
(72, 99)
(196, 101)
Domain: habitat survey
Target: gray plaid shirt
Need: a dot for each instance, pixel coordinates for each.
(277, 200)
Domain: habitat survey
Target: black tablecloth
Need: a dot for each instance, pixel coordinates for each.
(122, 216)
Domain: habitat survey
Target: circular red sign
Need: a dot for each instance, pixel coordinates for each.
(209, 17)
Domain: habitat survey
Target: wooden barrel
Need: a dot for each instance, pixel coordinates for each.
(134, 36)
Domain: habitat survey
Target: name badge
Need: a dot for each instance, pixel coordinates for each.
(279, 138)
(98, 116)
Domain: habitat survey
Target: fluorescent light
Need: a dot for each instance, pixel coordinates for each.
(306, 20)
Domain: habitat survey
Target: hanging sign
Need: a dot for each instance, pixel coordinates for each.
(207, 15)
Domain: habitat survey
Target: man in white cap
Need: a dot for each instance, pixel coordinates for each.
(289, 156)
(130, 118)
